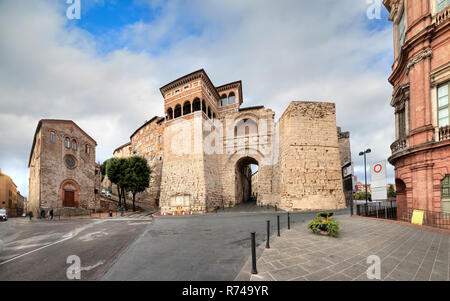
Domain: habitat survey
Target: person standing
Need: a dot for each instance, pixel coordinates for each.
(30, 214)
(51, 214)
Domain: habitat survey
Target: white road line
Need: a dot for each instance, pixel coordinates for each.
(35, 250)
(67, 236)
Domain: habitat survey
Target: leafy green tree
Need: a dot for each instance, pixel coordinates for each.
(138, 176)
(117, 169)
(103, 168)
(391, 192)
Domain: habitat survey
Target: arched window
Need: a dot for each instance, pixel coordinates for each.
(196, 105)
(231, 98)
(177, 111)
(203, 107)
(87, 149)
(67, 142)
(186, 108)
(223, 100)
(74, 144)
(209, 113)
(445, 194)
(169, 114)
(52, 137)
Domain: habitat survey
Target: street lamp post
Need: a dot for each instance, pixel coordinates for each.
(367, 151)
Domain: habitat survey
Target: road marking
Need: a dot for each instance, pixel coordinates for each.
(28, 253)
(88, 268)
(67, 236)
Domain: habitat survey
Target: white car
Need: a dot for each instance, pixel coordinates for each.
(3, 215)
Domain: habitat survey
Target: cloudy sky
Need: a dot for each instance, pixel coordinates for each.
(104, 70)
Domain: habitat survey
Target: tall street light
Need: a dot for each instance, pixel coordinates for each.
(367, 151)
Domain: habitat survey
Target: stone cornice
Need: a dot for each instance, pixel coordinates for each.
(199, 74)
(400, 96)
(418, 58)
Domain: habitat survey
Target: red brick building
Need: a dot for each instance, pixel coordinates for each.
(420, 77)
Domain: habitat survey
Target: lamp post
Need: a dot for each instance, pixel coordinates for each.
(367, 151)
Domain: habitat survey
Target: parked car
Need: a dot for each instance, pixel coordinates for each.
(103, 191)
(3, 215)
(108, 194)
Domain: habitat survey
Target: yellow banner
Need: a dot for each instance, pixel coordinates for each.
(417, 217)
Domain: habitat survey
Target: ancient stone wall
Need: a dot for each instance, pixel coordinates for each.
(183, 182)
(310, 171)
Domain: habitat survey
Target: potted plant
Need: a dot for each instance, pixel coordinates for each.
(324, 224)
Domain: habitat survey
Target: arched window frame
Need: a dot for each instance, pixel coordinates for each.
(169, 113)
(231, 98)
(177, 112)
(223, 100)
(74, 144)
(67, 142)
(196, 105)
(52, 137)
(187, 107)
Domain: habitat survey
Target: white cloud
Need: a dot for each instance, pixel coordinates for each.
(300, 50)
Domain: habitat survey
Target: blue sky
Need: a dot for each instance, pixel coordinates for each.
(104, 71)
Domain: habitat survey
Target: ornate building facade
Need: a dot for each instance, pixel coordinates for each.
(200, 152)
(63, 173)
(420, 77)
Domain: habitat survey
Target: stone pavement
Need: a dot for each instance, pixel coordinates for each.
(406, 253)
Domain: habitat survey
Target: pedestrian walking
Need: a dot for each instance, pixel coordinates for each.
(30, 214)
(51, 214)
(121, 211)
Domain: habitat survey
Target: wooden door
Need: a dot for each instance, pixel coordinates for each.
(69, 198)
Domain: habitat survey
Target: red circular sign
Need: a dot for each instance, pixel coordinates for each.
(377, 168)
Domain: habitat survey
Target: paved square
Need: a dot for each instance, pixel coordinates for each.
(406, 253)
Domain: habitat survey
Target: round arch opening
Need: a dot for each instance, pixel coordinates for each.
(246, 180)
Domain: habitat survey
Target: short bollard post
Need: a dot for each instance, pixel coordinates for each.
(268, 235)
(289, 221)
(254, 271)
(278, 224)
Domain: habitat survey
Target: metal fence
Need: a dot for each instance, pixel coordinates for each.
(385, 210)
(430, 218)
(389, 210)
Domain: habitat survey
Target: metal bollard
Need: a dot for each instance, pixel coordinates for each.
(278, 224)
(289, 222)
(254, 271)
(268, 235)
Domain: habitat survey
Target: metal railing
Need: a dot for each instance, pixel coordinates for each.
(389, 210)
(430, 218)
(385, 210)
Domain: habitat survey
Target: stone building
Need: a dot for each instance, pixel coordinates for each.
(420, 78)
(63, 173)
(10, 197)
(202, 149)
